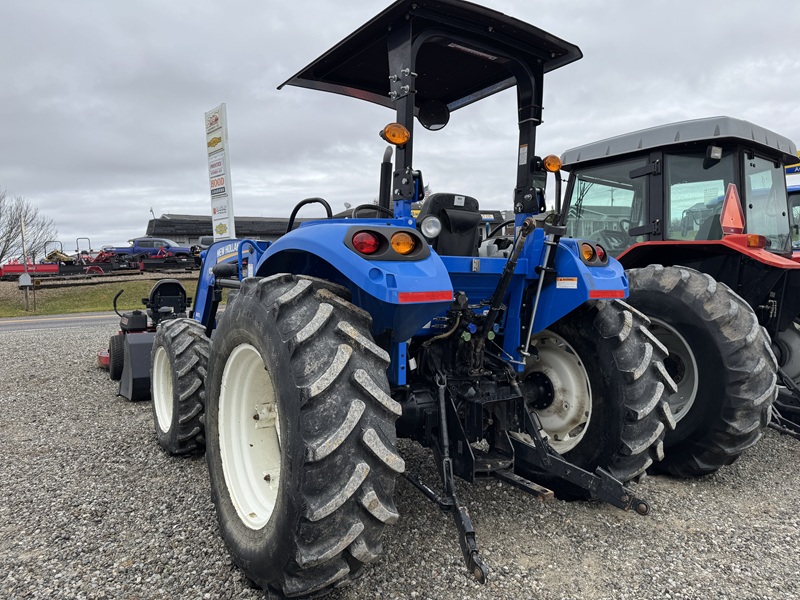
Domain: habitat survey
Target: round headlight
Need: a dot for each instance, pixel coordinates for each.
(430, 226)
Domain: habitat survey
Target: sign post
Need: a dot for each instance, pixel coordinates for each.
(222, 220)
(25, 279)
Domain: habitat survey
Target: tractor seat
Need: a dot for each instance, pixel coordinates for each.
(169, 294)
(460, 217)
(710, 229)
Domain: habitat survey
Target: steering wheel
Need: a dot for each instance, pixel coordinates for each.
(387, 211)
(625, 225)
(614, 240)
(499, 228)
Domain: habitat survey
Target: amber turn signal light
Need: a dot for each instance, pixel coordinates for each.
(552, 163)
(396, 134)
(403, 243)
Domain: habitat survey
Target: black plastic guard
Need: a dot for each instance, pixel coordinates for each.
(135, 381)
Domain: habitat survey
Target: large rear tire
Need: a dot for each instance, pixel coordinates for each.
(178, 363)
(300, 435)
(721, 360)
(602, 390)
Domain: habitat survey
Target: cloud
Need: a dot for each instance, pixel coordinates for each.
(103, 102)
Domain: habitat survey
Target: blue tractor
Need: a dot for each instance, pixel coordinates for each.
(522, 363)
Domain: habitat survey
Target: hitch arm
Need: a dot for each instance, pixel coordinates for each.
(601, 485)
(785, 417)
(787, 381)
(466, 532)
(448, 500)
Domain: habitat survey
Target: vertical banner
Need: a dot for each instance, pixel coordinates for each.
(219, 174)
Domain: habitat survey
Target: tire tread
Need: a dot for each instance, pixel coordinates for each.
(748, 368)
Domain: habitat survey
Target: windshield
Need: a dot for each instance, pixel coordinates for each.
(767, 203)
(606, 202)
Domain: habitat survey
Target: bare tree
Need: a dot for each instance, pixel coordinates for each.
(38, 228)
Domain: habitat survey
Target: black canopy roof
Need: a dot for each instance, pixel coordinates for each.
(466, 57)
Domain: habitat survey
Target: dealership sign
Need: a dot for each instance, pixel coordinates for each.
(219, 174)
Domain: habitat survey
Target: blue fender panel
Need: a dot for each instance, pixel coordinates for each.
(380, 287)
(576, 283)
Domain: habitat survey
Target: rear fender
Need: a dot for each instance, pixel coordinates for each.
(575, 283)
(679, 252)
(401, 295)
(760, 277)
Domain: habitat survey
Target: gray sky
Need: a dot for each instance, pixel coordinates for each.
(103, 101)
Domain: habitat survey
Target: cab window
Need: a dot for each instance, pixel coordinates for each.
(695, 190)
(766, 211)
(606, 202)
(794, 207)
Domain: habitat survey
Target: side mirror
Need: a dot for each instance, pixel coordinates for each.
(433, 115)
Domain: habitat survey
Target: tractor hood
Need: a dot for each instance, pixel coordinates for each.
(466, 54)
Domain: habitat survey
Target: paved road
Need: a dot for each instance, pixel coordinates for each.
(54, 321)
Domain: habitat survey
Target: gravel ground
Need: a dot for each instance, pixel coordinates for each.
(91, 508)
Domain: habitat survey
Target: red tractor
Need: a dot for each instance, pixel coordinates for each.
(698, 214)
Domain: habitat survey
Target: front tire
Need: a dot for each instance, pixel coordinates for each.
(601, 391)
(721, 360)
(178, 363)
(301, 439)
(116, 356)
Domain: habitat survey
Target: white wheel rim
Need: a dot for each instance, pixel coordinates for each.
(249, 436)
(788, 349)
(681, 365)
(566, 420)
(162, 389)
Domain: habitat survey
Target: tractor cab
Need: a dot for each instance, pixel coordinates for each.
(670, 183)
(427, 59)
